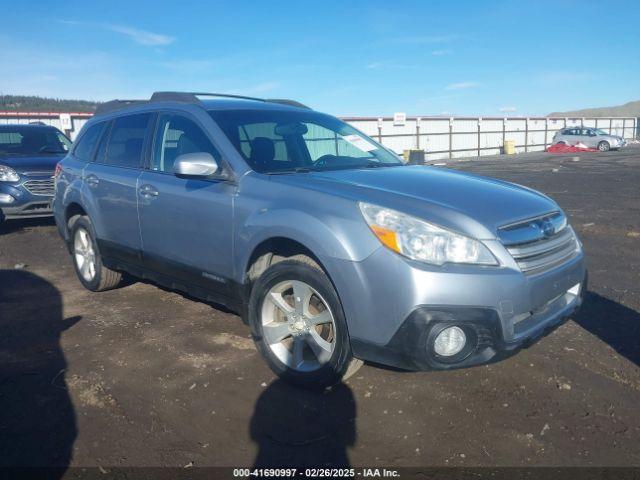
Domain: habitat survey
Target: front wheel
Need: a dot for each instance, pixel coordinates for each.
(604, 146)
(299, 327)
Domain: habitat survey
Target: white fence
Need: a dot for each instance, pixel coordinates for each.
(440, 137)
(450, 137)
(69, 123)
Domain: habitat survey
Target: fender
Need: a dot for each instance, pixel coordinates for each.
(327, 242)
(72, 194)
(93, 211)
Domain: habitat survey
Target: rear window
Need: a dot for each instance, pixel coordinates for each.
(126, 141)
(87, 142)
(28, 140)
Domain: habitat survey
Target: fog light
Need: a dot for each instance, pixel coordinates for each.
(6, 198)
(449, 342)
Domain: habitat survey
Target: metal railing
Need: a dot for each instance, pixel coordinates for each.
(450, 137)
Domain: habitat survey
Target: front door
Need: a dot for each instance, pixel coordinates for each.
(581, 136)
(590, 138)
(111, 186)
(186, 224)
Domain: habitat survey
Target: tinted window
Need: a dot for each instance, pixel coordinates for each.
(87, 142)
(287, 140)
(101, 152)
(32, 140)
(177, 135)
(126, 140)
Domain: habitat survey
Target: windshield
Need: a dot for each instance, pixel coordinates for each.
(600, 132)
(29, 140)
(274, 141)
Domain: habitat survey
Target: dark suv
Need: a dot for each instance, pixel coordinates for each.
(28, 158)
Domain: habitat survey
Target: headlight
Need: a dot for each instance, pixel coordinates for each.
(423, 241)
(8, 174)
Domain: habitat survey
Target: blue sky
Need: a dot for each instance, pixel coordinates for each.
(343, 57)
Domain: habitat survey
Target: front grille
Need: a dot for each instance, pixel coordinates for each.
(40, 187)
(541, 255)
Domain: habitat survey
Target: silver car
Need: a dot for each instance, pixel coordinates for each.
(591, 137)
(330, 248)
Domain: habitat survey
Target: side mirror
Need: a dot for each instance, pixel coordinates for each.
(195, 165)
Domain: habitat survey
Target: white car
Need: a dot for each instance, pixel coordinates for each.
(591, 137)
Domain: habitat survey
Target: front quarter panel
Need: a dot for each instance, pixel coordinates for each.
(331, 227)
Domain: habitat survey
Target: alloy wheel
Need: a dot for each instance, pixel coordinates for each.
(298, 325)
(84, 254)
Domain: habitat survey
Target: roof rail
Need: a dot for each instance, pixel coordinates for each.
(113, 105)
(284, 101)
(186, 97)
(192, 97)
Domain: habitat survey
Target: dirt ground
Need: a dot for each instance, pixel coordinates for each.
(142, 376)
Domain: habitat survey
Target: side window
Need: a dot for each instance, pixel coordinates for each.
(177, 135)
(126, 141)
(101, 152)
(86, 144)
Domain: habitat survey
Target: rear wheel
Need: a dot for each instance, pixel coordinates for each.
(604, 146)
(91, 272)
(299, 327)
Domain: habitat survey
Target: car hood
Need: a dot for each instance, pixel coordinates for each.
(27, 163)
(468, 203)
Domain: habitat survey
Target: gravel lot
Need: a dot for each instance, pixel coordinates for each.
(144, 376)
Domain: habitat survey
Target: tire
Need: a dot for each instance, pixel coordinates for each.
(296, 348)
(604, 146)
(84, 252)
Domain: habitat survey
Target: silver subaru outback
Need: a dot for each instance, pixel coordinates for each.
(591, 137)
(331, 249)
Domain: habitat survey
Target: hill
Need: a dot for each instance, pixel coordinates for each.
(30, 103)
(631, 109)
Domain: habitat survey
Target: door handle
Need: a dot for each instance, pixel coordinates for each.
(148, 191)
(92, 181)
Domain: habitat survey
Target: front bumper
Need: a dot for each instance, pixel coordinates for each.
(411, 346)
(26, 203)
(394, 307)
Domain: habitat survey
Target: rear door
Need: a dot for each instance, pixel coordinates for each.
(186, 224)
(569, 136)
(111, 186)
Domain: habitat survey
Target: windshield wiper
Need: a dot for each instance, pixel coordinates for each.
(48, 150)
(380, 165)
(291, 170)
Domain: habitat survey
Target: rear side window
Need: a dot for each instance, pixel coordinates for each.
(87, 143)
(126, 141)
(177, 135)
